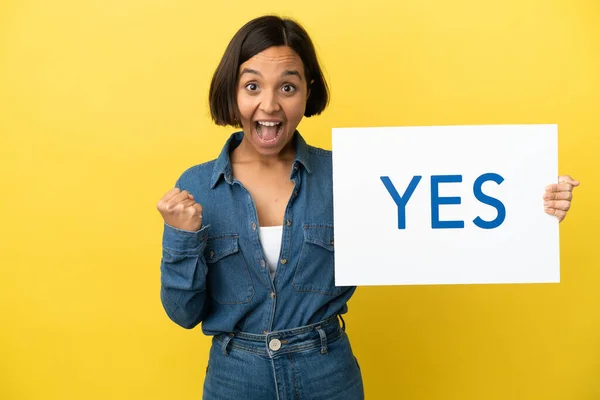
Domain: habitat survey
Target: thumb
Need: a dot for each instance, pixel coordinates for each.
(568, 179)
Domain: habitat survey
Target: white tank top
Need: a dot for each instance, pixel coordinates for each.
(270, 239)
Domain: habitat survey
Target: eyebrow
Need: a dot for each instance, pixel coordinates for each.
(285, 73)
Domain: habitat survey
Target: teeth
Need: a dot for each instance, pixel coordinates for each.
(268, 123)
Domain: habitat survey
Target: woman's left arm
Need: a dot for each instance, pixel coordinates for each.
(558, 197)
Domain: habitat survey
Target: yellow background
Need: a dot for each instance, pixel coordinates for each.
(104, 103)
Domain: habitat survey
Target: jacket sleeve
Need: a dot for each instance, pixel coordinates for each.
(183, 276)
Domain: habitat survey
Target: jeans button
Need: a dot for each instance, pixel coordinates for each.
(275, 344)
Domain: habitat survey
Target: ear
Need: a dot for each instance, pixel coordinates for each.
(308, 89)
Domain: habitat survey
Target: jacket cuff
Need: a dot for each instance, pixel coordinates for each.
(179, 240)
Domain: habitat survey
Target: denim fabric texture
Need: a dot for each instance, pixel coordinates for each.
(274, 339)
(218, 275)
(312, 362)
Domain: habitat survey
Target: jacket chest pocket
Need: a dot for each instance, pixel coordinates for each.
(228, 277)
(315, 269)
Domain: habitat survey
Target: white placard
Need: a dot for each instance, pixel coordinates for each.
(384, 236)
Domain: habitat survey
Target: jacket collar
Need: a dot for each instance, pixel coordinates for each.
(222, 167)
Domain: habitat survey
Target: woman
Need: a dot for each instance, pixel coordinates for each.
(248, 237)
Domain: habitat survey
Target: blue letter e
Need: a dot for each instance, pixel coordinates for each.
(436, 200)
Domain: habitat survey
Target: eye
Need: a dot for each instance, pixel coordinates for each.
(288, 88)
(252, 87)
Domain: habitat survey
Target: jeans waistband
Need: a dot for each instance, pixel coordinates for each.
(285, 341)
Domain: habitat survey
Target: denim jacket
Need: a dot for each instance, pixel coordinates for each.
(218, 274)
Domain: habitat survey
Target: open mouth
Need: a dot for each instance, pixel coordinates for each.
(269, 131)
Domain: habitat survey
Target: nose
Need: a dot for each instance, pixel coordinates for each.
(269, 103)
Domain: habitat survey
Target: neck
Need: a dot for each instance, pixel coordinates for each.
(246, 153)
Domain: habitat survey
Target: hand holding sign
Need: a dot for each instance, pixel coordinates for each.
(558, 197)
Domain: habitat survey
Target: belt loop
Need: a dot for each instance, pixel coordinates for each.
(343, 322)
(323, 339)
(226, 341)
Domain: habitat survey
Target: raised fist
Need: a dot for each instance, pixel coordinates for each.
(180, 211)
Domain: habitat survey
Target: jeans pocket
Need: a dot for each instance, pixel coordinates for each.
(315, 269)
(228, 278)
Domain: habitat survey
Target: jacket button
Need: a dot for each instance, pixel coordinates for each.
(272, 295)
(212, 254)
(284, 261)
(288, 222)
(263, 263)
(253, 226)
(275, 344)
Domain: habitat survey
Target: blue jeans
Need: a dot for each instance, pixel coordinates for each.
(310, 362)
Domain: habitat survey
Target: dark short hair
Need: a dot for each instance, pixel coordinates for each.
(252, 38)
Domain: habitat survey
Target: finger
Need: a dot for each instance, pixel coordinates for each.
(187, 203)
(559, 187)
(175, 201)
(164, 201)
(194, 210)
(568, 179)
(170, 194)
(562, 205)
(557, 213)
(558, 196)
(179, 197)
(180, 207)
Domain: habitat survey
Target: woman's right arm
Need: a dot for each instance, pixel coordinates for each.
(183, 267)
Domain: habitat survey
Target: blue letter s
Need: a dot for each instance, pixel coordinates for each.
(497, 204)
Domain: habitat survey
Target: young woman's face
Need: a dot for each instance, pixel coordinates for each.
(271, 97)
